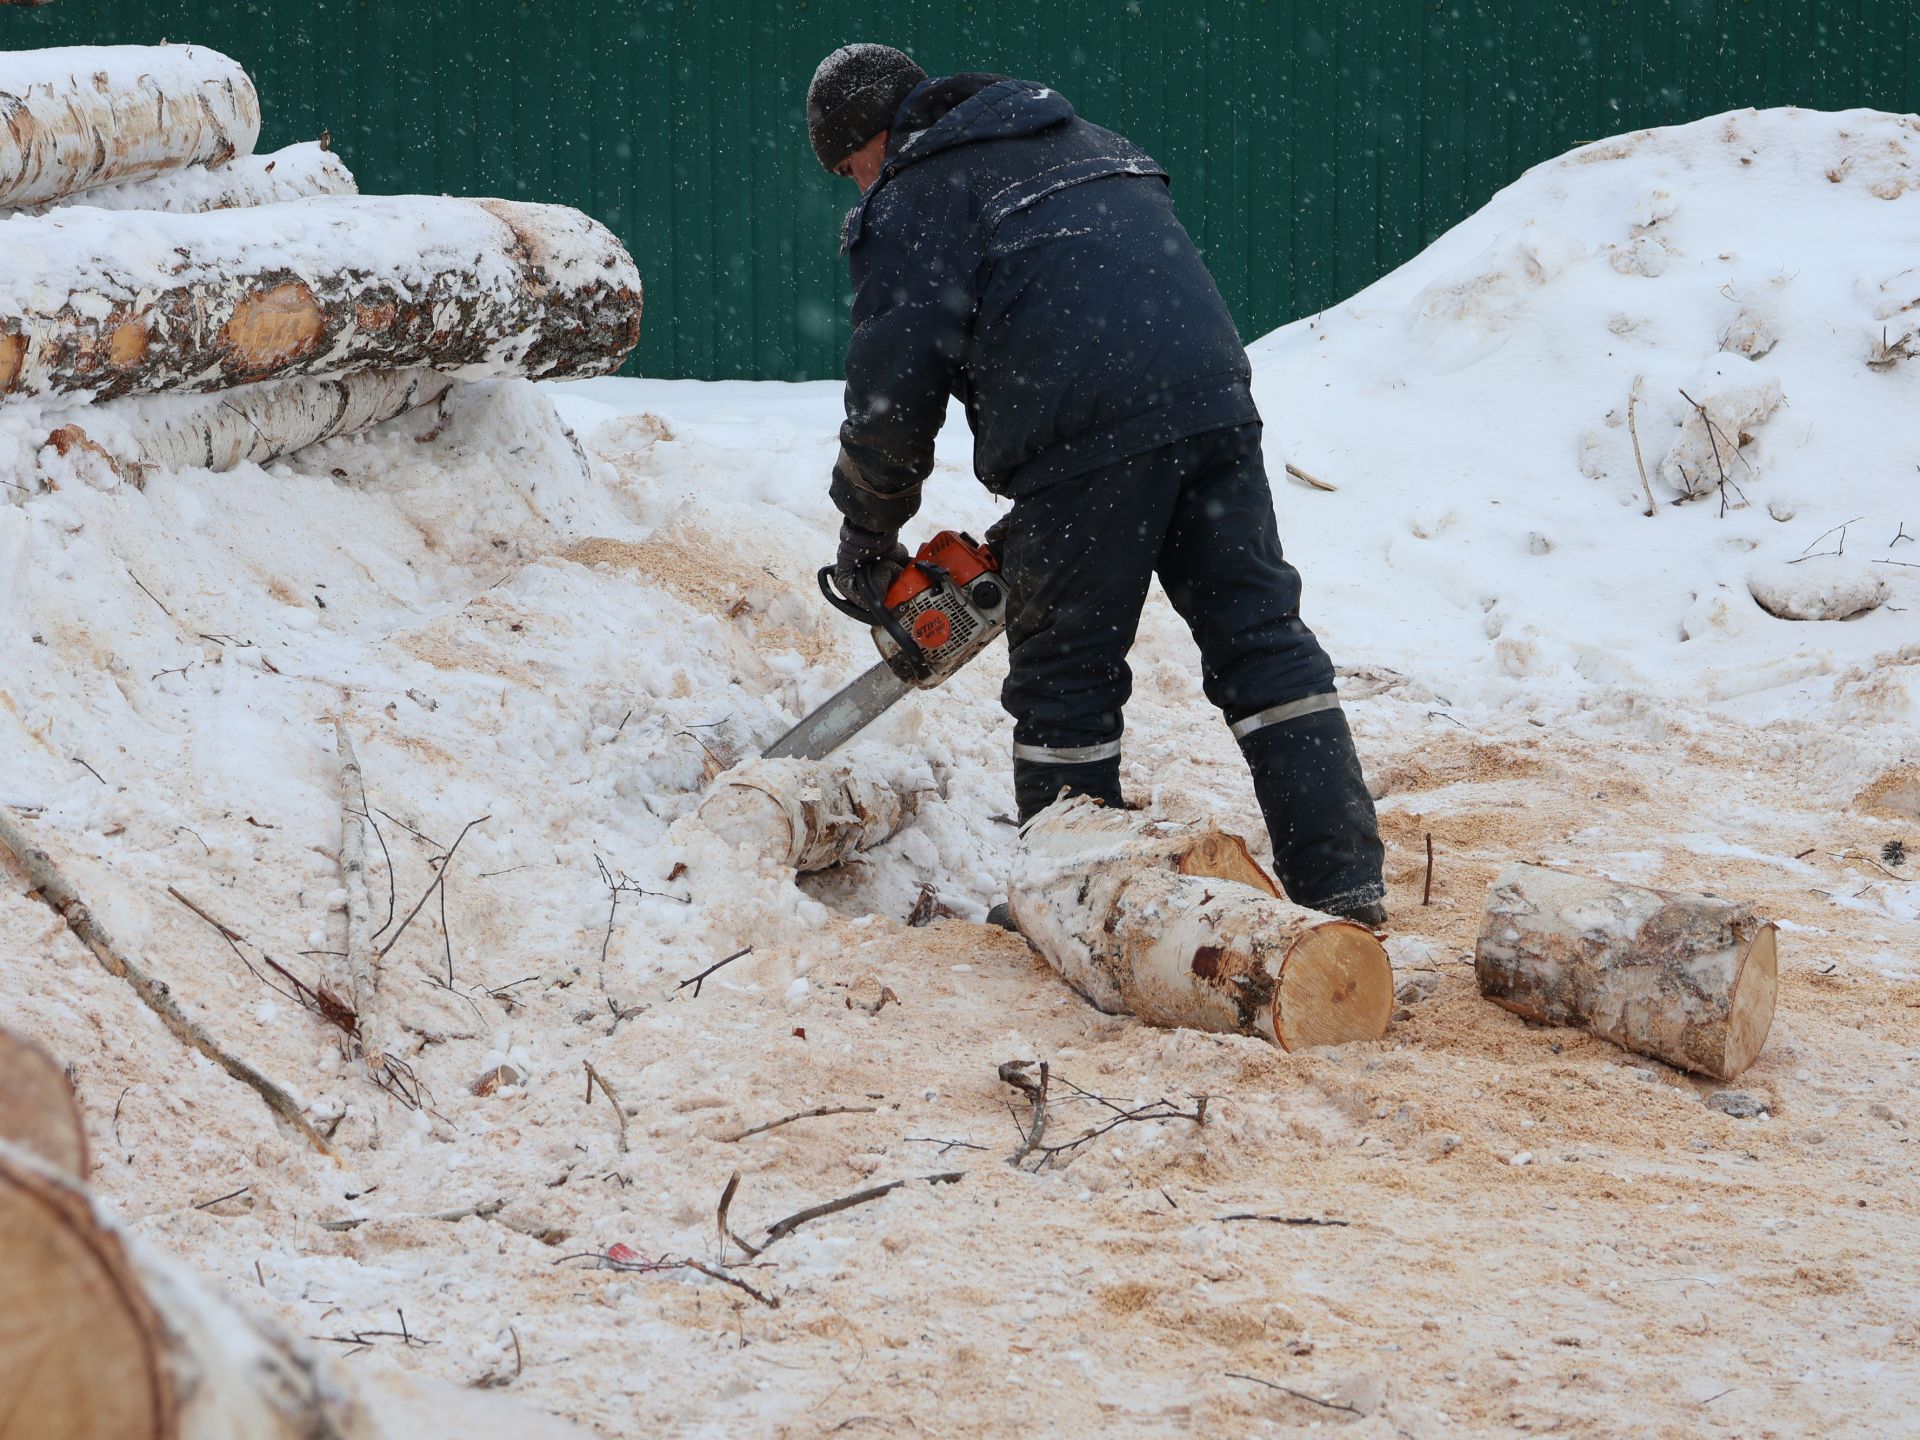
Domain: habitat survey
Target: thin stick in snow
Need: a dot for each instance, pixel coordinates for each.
(58, 895)
(1633, 399)
(780, 1229)
(1305, 479)
(594, 1077)
(360, 977)
(804, 1115)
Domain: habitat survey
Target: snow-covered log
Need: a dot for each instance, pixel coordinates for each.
(802, 813)
(250, 423)
(1689, 979)
(75, 118)
(104, 1339)
(38, 1111)
(117, 304)
(1178, 925)
(294, 173)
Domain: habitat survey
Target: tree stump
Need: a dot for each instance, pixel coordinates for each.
(1688, 979)
(83, 116)
(38, 1111)
(1180, 926)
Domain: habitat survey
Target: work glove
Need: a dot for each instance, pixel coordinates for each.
(877, 554)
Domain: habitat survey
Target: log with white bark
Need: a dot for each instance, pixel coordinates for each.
(1178, 925)
(114, 304)
(293, 173)
(38, 1111)
(84, 116)
(802, 813)
(1689, 979)
(247, 424)
(103, 1338)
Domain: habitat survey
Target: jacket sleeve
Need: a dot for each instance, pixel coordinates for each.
(912, 306)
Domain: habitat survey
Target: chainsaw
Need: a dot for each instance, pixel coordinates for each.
(947, 606)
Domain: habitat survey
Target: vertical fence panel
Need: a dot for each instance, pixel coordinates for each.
(1314, 143)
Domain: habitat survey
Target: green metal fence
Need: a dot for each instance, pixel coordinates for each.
(1314, 144)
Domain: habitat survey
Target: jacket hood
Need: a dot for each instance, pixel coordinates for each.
(1001, 110)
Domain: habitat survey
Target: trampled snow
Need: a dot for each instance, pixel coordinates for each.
(570, 639)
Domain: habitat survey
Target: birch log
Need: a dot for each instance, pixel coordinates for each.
(293, 173)
(75, 118)
(802, 813)
(117, 304)
(248, 424)
(1179, 926)
(102, 1338)
(1689, 979)
(38, 1111)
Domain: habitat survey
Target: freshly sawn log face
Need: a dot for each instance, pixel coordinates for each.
(119, 304)
(1689, 979)
(250, 423)
(75, 118)
(38, 1111)
(802, 813)
(1179, 926)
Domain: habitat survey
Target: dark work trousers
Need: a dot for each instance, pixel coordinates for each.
(1078, 558)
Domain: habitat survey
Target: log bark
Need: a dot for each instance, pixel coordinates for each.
(294, 173)
(1688, 979)
(105, 1339)
(80, 117)
(119, 304)
(38, 1111)
(1180, 926)
(250, 424)
(802, 813)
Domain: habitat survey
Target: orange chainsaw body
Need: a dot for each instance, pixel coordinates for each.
(951, 601)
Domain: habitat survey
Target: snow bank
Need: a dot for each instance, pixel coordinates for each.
(1474, 409)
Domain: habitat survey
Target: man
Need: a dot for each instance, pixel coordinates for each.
(1007, 252)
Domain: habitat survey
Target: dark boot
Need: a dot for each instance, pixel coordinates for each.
(1326, 841)
(1037, 785)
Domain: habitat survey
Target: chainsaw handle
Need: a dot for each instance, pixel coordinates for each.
(841, 602)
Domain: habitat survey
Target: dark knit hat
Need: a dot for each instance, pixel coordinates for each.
(853, 96)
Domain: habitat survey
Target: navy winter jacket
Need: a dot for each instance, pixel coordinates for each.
(1030, 263)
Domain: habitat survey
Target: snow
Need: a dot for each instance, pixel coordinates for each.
(569, 632)
(170, 67)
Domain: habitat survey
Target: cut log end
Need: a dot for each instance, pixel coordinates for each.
(38, 1111)
(1750, 1010)
(1336, 986)
(81, 1356)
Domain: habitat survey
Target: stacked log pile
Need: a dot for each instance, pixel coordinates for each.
(169, 298)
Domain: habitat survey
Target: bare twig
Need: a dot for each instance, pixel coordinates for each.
(1296, 1394)
(644, 1266)
(58, 895)
(359, 979)
(1633, 399)
(779, 1230)
(1284, 1219)
(720, 1219)
(1013, 1073)
(1426, 890)
(150, 595)
(484, 1211)
(803, 1115)
(230, 1195)
(1305, 479)
(439, 875)
(88, 768)
(694, 980)
(594, 1077)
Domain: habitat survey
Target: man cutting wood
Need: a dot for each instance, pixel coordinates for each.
(1011, 254)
